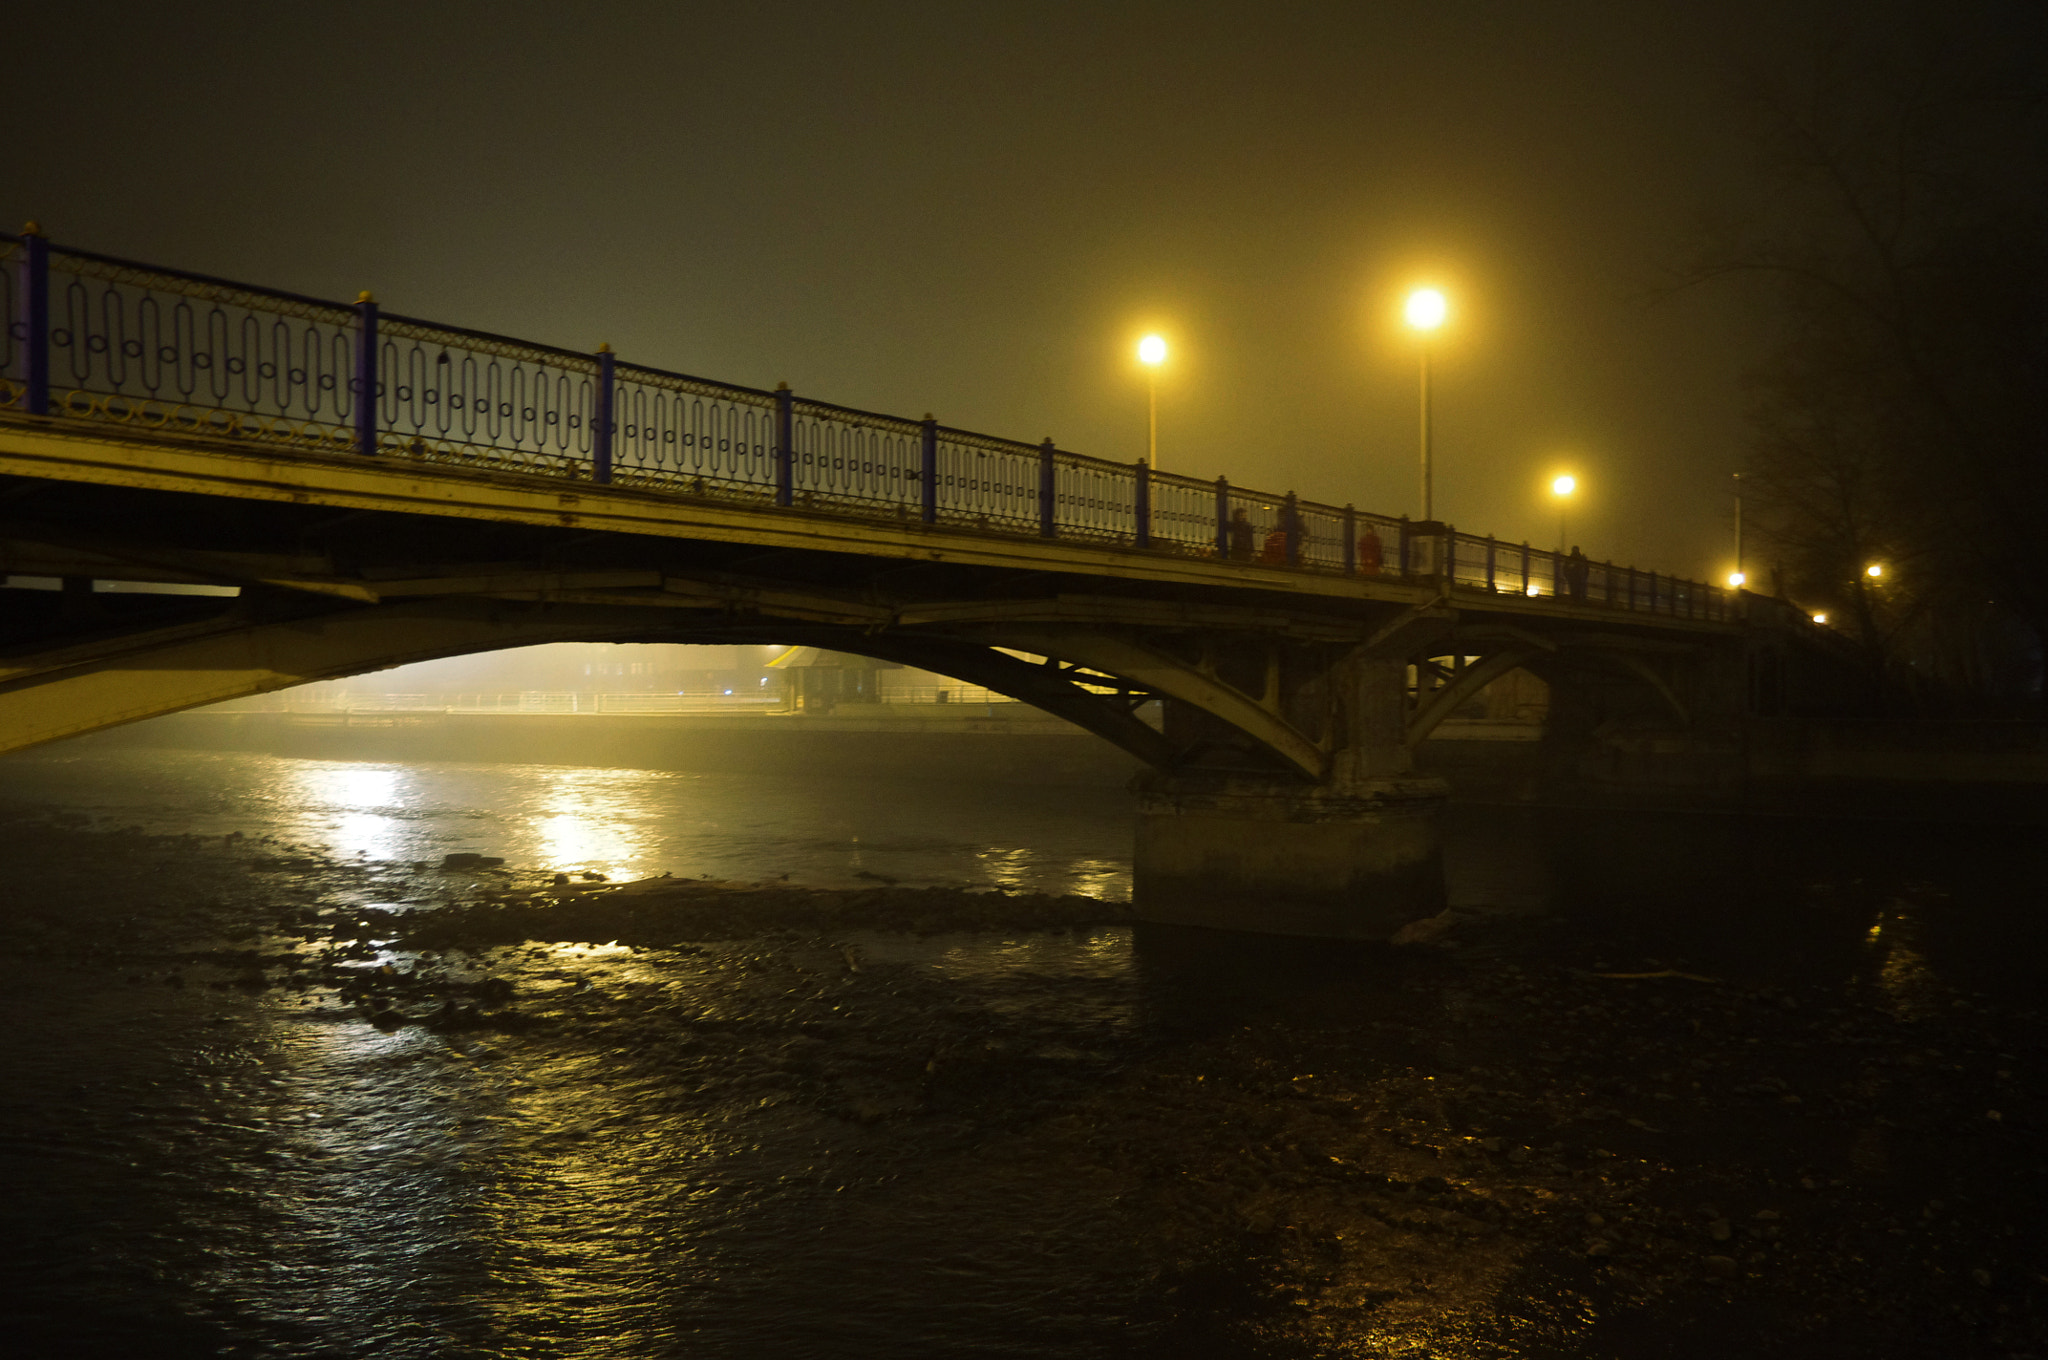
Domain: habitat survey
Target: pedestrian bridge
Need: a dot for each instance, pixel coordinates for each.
(362, 489)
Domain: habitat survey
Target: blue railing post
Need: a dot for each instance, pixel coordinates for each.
(928, 469)
(365, 384)
(1223, 517)
(1350, 541)
(35, 319)
(602, 423)
(785, 445)
(1048, 488)
(1141, 505)
(1290, 527)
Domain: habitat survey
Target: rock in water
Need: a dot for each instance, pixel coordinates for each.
(1425, 930)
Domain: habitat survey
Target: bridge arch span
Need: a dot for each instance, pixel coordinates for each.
(1095, 682)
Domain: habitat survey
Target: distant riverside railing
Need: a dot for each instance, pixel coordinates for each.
(95, 338)
(523, 701)
(575, 701)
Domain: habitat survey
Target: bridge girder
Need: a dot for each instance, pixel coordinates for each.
(117, 677)
(1110, 652)
(358, 566)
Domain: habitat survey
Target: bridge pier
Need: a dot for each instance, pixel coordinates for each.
(1343, 846)
(1238, 852)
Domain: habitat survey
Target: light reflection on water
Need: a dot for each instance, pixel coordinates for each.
(828, 829)
(633, 1185)
(748, 1151)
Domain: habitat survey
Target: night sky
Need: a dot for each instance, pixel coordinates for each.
(976, 210)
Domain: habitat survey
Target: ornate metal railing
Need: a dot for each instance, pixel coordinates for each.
(95, 338)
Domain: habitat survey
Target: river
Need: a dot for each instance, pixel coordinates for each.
(1670, 1085)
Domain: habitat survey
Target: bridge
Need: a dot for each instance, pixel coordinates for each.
(365, 489)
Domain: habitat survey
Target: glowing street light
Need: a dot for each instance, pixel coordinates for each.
(1152, 353)
(1563, 487)
(1735, 580)
(1426, 311)
(1874, 570)
(1821, 619)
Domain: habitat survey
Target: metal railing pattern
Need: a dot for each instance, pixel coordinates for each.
(95, 338)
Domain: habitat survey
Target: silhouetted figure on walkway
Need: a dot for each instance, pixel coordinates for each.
(1240, 537)
(1370, 553)
(1575, 574)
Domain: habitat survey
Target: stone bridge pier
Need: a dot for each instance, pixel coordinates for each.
(1345, 849)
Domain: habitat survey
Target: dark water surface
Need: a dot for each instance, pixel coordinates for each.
(1813, 1129)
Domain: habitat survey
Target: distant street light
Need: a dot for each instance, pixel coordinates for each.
(1874, 570)
(1562, 488)
(1426, 311)
(1735, 580)
(1821, 619)
(1152, 353)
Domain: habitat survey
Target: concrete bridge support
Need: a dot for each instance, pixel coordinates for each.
(1350, 850)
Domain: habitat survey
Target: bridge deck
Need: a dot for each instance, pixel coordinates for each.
(127, 374)
(57, 449)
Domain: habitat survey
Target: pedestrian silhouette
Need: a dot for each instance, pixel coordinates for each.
(1575, 574)
(1370, 552)
(1240, 536)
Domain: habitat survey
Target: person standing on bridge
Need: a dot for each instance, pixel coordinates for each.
(1273, 552)
(1575, 574)
(1370, 552)
(1240, 537)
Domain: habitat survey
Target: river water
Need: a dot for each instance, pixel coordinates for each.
(1671, 1085)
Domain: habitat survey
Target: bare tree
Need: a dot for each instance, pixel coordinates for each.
(1902, 419)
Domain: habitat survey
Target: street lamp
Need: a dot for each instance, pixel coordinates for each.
(1874, 570)
(1152, 353)
(1426, 311)
(1737, 578)
(1562, 488)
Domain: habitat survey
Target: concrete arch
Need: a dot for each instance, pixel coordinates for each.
(110, 681)
(1431, 712)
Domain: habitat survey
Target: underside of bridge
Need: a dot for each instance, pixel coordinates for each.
(1280, 792)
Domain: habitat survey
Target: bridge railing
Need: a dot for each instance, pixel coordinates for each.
(467, 397)
(854, 461)
(95, 338)
(682, 434)
(98, 338)
(989, 483)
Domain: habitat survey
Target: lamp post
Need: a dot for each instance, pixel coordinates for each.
(1426, 311)
(1562, 488)
(1737, 577)
(1152, 353)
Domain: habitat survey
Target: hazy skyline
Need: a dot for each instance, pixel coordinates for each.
(977, 212)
